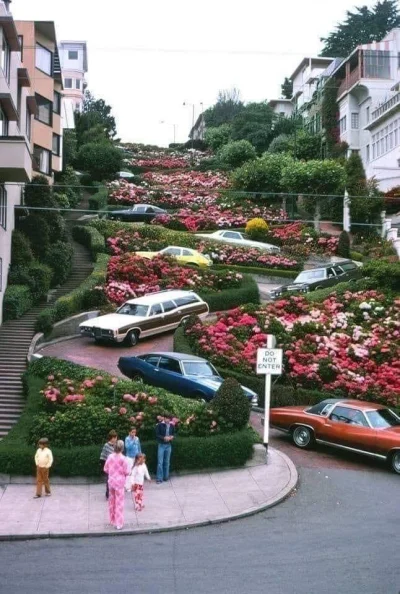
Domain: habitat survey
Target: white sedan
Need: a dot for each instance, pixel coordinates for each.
(239, 239)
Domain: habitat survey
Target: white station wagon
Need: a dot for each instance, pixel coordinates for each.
(145, 316)
(239, 239)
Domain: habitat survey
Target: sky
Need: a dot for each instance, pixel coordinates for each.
(147, 59)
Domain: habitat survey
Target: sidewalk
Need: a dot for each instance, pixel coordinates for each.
(182, 502)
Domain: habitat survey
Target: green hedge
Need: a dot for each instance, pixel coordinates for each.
(189, 453)
(339, 289)
(261, 271)
(35, 275)
(385, 274)
(90, 238)
(98, 201)
(247, 293)
(18, 299)
(84, 297)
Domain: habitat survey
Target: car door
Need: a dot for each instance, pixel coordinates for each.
(148, 368)
(172, 316)
(330, 278)
(232, 236)
(187, 257)
(138, 214)
(149, 213)
(154, 322)
(174, 252)
(349, 427)
(341, 274)
(169, 375)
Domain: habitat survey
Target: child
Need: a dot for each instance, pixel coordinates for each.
(139, 473)
(43, 461)
(108, 448)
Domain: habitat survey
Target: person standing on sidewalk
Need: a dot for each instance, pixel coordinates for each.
(132, 449)
(165, 433)
(138, 474)
(43, 461)
(108, 448)
(117, 468)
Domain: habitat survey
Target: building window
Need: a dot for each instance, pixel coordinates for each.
(354, 121)
(367, 111)
(5, 58)
(78, 83)
(21, 45)
(28, 129)
(3, 123)
(45, 110)
(57, 103)
(56, 144)
(72, 55)
(367, 153)
(41, 160)
(318, 123)
(343, 124)
(376, 64)
(68, 83)
(44, 59)
(3, 207)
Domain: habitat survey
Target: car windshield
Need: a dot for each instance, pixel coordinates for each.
(309, 276)
(383, 418)
(198, 368)
(132, 309)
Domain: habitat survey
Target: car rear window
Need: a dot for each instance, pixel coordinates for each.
(349, 266)
(169, 306)
(182, 301)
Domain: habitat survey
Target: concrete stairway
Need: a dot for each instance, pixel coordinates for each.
(15, 339)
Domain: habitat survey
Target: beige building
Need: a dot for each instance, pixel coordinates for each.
(17, 106)
(41, 60)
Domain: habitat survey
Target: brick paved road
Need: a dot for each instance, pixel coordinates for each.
(86, 352)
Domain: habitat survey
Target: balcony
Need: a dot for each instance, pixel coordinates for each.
(15, 159)
(349, 81)
(386, 107)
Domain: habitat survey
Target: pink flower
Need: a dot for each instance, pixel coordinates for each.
(122, 410)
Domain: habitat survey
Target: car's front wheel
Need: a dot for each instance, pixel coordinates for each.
(199, 396)
(303, 437)
(137, 377)
(133, 338)
(395, 462)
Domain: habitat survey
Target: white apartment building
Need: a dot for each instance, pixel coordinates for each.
(282, 107)
(304, 79)
(74, 65)
(17, 104)
(369, 109)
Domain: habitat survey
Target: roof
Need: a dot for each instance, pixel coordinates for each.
(178, 356)
(305, 61)
(332, 67)
(358, 404)
(157, 297)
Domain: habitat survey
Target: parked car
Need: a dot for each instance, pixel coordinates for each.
(319, 278)
(145, 316)
(179, 373)
(239, 239)
(182, 254)
(140, 213)
(352, 425)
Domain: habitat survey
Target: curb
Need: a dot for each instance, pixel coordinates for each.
(284, 494)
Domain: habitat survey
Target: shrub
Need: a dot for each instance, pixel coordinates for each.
(232, 404)
(90, 238)
(215, 138)
(281, 144)
(68, 183)
(261, 175)
(356, 256)
(236, 153)
(343, 248)
(59, 258)
(21, 251)
(101, 161)
(17, 300)
(37, 230)
(38, 193)
(62, 200)
(36, 276)
(257, 228)
(247, 293)
(386, 274)
(98, 201)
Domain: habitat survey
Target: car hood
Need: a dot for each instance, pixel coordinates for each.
(111, 321)
(214, 382)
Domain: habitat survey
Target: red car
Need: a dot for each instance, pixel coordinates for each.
(361, 427)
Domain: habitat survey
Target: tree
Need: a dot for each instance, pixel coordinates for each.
(366, 201)
(287, 88)
(236, 153)
(101, 161)
(281, 144)
(96, 115)
(364, 25)
(69, 147)
(356, 180)
(215, 138)
(329, 115)
(231, 403)
(316, 179)
(261, 175)
(254, 123)
(228, 105)
(302, 145)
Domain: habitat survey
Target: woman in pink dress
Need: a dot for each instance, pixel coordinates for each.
(117, 468)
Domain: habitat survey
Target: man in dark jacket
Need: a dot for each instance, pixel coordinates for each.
(165, 433)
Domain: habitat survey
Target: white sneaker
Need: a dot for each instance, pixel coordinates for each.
(119, 527)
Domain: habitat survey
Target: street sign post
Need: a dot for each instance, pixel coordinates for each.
(269, 362)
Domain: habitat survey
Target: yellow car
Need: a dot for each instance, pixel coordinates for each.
(182, 254)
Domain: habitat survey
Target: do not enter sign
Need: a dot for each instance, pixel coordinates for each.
(269, 361)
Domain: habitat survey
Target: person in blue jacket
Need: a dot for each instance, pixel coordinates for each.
(132, 444)
(165, 433)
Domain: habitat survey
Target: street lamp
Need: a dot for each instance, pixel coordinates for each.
(185, 104)
(174, 127)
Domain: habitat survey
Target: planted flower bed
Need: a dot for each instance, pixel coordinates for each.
(207, 180)
(348, 345)
(130, 276)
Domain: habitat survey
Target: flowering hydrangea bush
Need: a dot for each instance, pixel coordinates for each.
(348, 345)
(299, 239)
(207, 180)
(130, 276)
